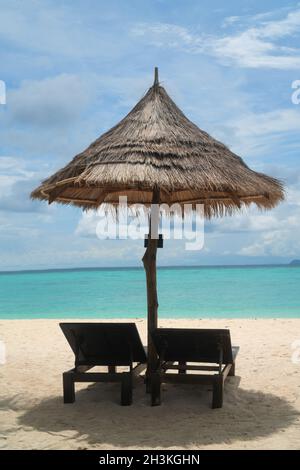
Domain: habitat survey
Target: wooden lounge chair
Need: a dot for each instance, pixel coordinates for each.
(185, 346)
(103, 344)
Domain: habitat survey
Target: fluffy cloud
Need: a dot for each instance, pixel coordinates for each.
(257, 124)
(278, 232)
(248, 221)
(258, 134)
(282, 243)
(253, 47)
(257, 47)
(50, 102)
(16, 183)
(253, 233)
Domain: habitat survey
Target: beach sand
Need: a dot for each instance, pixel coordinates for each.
(261, 405)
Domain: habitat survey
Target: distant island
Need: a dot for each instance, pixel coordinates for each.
(295, 262)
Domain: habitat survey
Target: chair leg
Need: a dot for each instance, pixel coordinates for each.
(182, 364)
(232, 370)
(155, 389)
(68, 387)
(218, 389)
(147, 382)
(126, 389)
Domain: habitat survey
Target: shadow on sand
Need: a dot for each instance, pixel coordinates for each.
(184, 419)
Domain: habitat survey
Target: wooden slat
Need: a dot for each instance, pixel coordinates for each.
(189, 367)
(187, 378)
(97, 377)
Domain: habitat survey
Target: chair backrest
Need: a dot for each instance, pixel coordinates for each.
(193, 345)
(104, 343)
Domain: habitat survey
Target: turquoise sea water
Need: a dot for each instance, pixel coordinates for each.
(239, 292)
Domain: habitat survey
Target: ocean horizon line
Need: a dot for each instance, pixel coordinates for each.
(125, 268)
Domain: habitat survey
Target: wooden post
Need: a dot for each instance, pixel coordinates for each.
(149, 261)
(156, 82)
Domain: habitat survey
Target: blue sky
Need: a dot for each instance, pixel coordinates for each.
(74, 68)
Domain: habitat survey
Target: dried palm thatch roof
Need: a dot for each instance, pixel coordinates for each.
(156, 145)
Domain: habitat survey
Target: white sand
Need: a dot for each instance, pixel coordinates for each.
(261, 406)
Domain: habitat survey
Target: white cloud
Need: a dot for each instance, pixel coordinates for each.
(170, 35)
(253, 47)
(280, 28)
(283, 243)
(54, 101)
(273, 234)
(248, 221)
(16, 183)
(256, 134)
(2, 92)
(67, 252)
(251, 134)
(229, 20)
(256, 124)
(294, 196)
(280, 237)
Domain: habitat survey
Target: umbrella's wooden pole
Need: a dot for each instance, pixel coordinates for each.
(149, 261)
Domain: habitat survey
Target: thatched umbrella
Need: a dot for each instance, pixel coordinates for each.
(156, 155)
